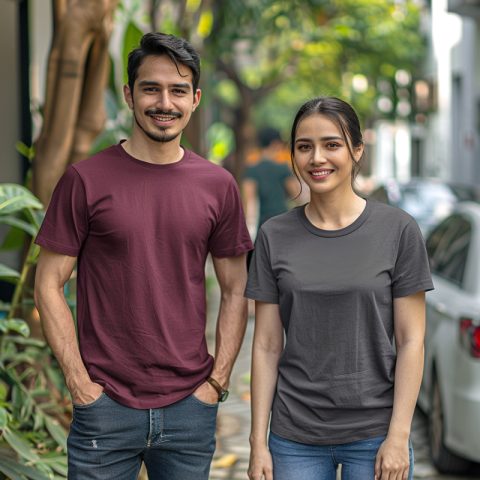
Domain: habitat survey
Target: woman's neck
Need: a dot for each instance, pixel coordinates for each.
(334, 210)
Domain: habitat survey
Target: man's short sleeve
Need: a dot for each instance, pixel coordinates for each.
(65, 226)
(412, 271)
(230, 236)
(261, 284)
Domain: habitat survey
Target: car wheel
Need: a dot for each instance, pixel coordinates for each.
(444, 460)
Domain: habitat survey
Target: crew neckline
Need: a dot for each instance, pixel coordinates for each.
(302, 216)
(154, 166)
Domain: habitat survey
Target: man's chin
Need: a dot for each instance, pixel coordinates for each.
(162, 137)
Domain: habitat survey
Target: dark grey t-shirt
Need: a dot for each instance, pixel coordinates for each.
(335, 292)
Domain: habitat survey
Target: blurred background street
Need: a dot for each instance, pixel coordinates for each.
(410, 68)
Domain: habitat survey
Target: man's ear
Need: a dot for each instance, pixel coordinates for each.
(196, 99)
(128, 96)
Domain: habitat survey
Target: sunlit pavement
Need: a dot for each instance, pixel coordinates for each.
(231, 457)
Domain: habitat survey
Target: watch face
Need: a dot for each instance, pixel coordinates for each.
(224, 396)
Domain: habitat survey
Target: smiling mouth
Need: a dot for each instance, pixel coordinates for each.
(163, 119)
(319, 174)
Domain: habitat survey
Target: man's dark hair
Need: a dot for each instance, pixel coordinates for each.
(268, 135)
(178, 49)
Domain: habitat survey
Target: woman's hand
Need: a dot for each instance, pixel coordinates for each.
(260, 463)
(393, 460)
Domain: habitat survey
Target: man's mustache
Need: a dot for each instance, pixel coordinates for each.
(162, 112)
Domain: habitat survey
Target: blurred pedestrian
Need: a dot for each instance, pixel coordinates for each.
(141, 217)
(269, 182)
(342, 275)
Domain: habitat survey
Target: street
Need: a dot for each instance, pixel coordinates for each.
(231, 457)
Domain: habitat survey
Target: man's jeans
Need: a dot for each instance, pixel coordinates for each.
(293, 461)
(108, 441)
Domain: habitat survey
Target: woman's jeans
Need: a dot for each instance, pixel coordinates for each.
(108, 441)
(293, 461)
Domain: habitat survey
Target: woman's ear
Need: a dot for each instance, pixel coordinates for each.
(358, 152)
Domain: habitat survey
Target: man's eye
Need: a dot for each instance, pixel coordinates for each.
(177, 90)
(150, 89)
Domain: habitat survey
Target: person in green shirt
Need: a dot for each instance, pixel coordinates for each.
(269, 182)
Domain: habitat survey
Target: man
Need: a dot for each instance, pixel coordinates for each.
(269, 182)
(141, 218)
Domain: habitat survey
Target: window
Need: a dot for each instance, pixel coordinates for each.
(448, 248)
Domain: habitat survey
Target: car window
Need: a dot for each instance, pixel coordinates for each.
(435, 238)
(450, 255)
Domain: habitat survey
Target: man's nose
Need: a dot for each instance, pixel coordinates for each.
(164, 102)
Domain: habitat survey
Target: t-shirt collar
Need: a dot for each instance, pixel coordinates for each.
(167, 166)
(335, 233)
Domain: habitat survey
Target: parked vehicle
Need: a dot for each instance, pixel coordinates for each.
(429, 201)
(450, 392)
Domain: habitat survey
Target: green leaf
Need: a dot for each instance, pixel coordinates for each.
(14, 240)
(132, 38)
(56, 431)
(25, 341)
(15, 324)
(3, 392)
(28, 152)
(10, 472)
(16, 222)
(57, 464)
(20, 445)
(39, 419)
(8, 274)
(25, 470)
(15, 197)
(3, 418)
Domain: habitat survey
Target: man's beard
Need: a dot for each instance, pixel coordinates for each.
(161, 135)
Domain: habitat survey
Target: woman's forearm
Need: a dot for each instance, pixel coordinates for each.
(264, 380)
(408, 377)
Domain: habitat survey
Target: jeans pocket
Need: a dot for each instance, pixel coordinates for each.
(91, 404)
(201, 402)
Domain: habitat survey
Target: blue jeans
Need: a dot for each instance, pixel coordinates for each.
(292, 460)
(109, 441)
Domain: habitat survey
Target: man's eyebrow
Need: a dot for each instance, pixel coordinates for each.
(153, 83)
(323, 139)
(148, 82)
(186, 86)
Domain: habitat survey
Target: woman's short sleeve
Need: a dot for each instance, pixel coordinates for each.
(412, 271)
(261, 284)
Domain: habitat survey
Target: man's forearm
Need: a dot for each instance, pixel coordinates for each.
(231, 325)
(59, 329)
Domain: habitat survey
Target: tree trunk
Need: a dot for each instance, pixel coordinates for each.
(77, 75)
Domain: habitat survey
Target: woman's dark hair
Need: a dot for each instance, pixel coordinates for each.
(343, 115)
(178, 49)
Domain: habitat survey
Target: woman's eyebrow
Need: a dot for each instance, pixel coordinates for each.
(323, 139)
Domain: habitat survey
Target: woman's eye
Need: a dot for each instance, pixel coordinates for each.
(332, 145)
(303, 147)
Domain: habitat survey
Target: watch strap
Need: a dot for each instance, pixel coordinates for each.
(220, 390)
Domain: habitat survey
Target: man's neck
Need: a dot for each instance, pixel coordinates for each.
(144, 148)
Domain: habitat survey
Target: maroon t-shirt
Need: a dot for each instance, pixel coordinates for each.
(142, 233)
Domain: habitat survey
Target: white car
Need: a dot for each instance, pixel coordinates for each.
(450, 392)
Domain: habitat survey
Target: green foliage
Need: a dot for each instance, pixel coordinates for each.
(28, 430)
(222, 141)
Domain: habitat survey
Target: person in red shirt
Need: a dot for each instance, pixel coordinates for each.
(140, 218)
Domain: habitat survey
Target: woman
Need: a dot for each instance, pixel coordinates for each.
(340, 276)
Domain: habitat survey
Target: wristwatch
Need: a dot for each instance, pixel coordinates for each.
(222, 393)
